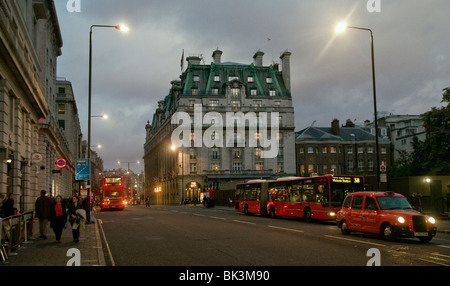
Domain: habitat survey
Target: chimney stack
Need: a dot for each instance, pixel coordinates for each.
(286, 69)
(335, 127)
(258, 57)
(195, 60)
(217, 54)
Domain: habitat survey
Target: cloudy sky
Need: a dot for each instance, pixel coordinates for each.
(331, 74)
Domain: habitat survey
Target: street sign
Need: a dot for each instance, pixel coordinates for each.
(82, 170)
(383, 168)
(61, 163)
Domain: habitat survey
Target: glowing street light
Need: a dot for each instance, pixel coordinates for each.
(340, 28)
(121, 28)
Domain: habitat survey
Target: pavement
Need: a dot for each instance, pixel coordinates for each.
(47, 252)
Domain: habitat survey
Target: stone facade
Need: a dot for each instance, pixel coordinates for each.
(30, 137)
(184, 173)
(347, 149)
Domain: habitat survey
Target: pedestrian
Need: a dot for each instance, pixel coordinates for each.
(74, 218)
(418, 201)
(2, 200)
(42, 208)
(58, 217)
(8, 206)
(147, 202)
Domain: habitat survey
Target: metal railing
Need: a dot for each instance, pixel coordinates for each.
(14, 231)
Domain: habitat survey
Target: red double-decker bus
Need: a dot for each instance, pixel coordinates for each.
(113, 193)
(309, 198)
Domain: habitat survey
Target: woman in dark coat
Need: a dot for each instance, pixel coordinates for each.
(73, 217)
(58, 217)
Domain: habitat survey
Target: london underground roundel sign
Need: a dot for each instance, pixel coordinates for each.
(61, 163)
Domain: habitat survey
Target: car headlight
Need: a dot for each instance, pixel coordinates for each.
(401, 219)
(431, 220)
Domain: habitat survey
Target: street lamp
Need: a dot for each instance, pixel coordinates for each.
(128, 171)
(104, 116)
(341, 28)
(121, 28)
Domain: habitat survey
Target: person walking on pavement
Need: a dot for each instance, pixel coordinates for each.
(58, 217)
(8, 206)
(42, 208)
(74, 218)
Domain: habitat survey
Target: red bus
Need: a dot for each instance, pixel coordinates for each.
(113, 193)
(310, 198)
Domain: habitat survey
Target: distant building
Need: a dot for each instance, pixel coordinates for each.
(172, 176)
(402, 130)
(347, 149)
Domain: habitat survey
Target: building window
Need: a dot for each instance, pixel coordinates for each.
(259, 166)
(215, 154)
(280, 152)
(215, 167)
(302, 150)
(230, 78)
(237, 166)
(272, 92)
(250, 79)
(195, 91)
(383, 150)
(333, 169)
(350, 166)
(360, 150)
(257, 104)
(236, 154)
(215, 91)
(333, 150)
(324, 150)
(369, 149)
(360, 165)
(280, 167)
(196, 78)
(325, 169)
(269, 80)
(310, 150)
(61, 109)
(258, 153)
(193, 154)
(253, 92)
(302, 170)
(193, 167)
(213, 104)
(235, 92)
(350, 149)
(370, 164)
(236, 104)
(310, 169)
(62, 124)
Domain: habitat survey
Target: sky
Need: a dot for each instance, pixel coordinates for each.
(331, 74)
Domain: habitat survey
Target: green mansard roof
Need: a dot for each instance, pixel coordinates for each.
(203, 78)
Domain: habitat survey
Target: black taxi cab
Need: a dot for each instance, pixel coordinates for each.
(386, 213)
